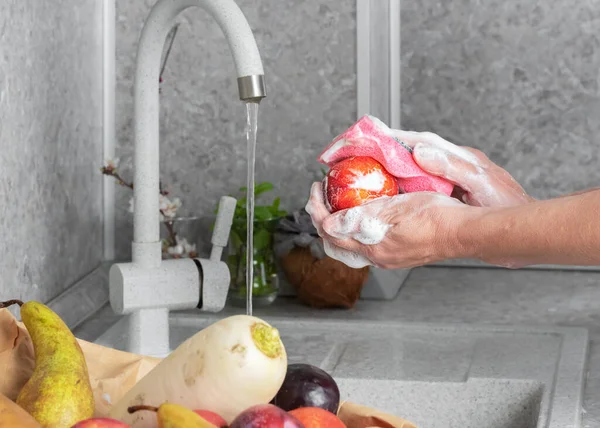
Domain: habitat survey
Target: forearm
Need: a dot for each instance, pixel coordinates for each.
(564, 231)
(580, 192)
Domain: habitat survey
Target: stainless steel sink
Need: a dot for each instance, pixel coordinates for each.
(435, 375)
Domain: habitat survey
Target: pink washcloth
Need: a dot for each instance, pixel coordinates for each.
(371, 137)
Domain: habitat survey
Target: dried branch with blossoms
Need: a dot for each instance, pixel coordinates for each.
(173, 246)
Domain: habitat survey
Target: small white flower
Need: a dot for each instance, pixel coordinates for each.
(167, 207)
(187, 247)
(182, 248)
(112, 163)
(175, 250)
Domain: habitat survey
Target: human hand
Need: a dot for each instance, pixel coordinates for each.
(402, 231)
(479, 181)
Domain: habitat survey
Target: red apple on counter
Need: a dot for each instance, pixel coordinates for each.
(212, 417)
(100, 423)
(265, 416)
(356, 180)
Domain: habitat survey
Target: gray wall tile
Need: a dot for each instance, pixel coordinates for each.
(518, 80)
(50, 135)
(308, 50)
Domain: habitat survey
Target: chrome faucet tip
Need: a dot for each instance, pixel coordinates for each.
(252, 88)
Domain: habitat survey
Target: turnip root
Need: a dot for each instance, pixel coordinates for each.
(235, 363)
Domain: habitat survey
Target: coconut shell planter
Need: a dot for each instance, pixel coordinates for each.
(319, 280)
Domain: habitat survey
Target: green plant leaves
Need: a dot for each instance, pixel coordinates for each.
(261, 212)
(262, 239)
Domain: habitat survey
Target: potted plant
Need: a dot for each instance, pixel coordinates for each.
(265, 282)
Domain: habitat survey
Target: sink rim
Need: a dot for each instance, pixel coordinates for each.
(563, 404)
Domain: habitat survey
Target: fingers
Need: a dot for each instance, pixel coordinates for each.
(410, 138)
(429, 139)
(341, 230)
(446, 164)
(340, 248)
(316, 207)
(364, 223)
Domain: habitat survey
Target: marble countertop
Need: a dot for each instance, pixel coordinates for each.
(466, 295)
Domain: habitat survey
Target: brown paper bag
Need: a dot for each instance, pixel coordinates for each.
(356, 416)
(113, 373)
(16, 355)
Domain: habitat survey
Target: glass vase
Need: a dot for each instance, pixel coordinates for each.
(265, 284)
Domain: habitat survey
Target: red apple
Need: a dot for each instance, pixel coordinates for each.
(100, 423)
(357, 180)
(212, 417)
(265, 416)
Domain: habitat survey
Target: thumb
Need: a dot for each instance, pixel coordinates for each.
(461, 171)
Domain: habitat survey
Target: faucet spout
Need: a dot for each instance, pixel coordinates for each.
(148, 287)
(251, 87)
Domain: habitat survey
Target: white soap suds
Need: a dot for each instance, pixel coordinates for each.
(330, 152)
(349, 258)
(325, 199)
(346, 223)
(457, 151)
(379, 124)
(432, 140)
(475, 181)
(373, 181)
(309, 208)
(359, 224)
(434, 156)
(372, 231)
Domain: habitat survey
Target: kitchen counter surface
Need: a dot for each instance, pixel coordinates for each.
(465, 295)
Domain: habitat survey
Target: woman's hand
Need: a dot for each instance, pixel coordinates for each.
(479, 181)
(391, 232)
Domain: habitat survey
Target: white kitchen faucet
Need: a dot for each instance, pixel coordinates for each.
(147, 288)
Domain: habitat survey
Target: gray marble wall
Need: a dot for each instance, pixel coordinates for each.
(308, 53)
(517, 79)
(51, 146)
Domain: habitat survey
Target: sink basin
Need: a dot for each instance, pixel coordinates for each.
(434, 375)
(476, 403)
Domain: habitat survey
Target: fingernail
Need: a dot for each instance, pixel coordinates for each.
(309, 207)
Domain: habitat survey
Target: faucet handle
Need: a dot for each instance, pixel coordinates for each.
(220, 236)
(215, 276)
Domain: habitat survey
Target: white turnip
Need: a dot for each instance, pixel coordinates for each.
(233, 364)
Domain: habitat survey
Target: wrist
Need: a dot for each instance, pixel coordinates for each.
(470, 235)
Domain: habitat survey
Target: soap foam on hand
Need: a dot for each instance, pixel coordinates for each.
(316, 208)
(362, 223)
(370, 137)
(349, 258)
(367, 223)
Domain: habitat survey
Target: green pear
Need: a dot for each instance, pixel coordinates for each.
(58, 394)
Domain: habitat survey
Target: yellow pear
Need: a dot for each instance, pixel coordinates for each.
(12, 415)
(58, 394)
(171, 415)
